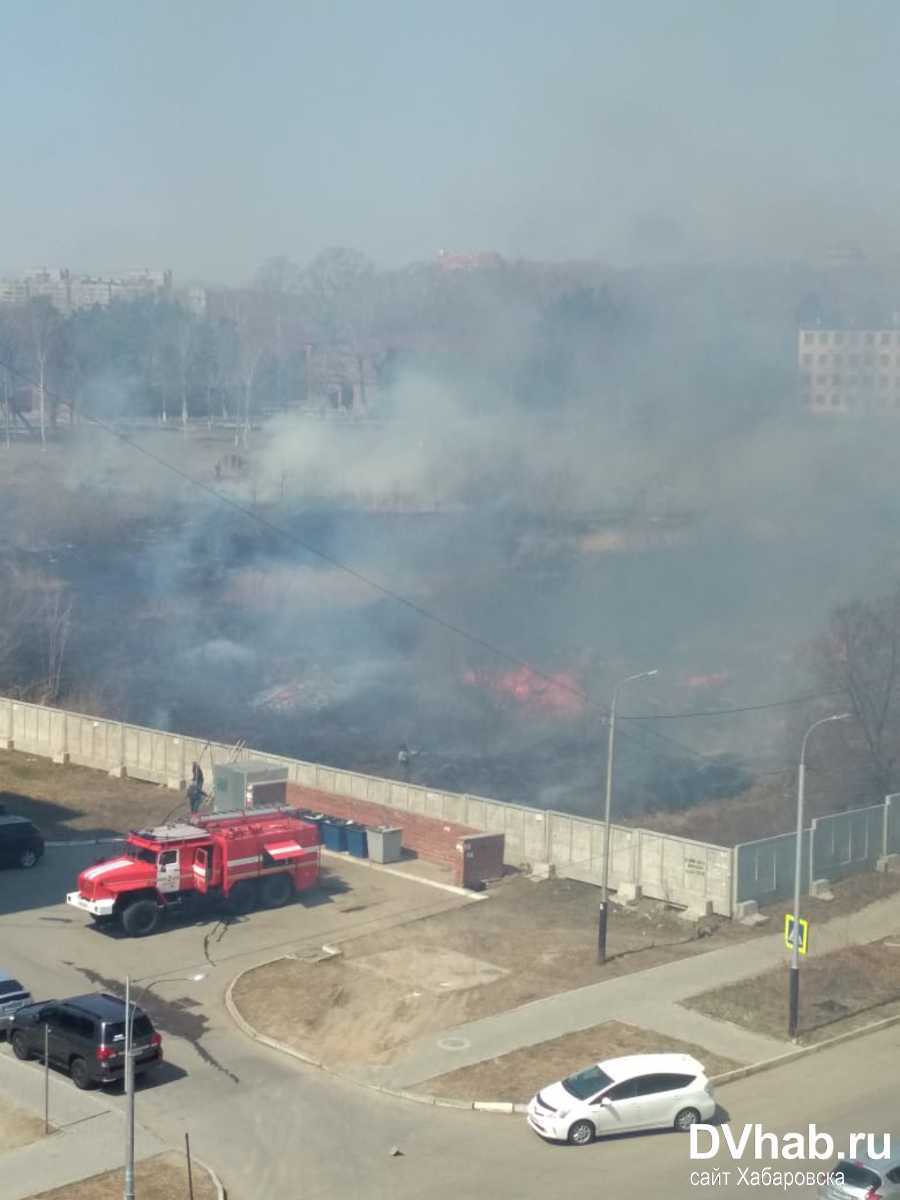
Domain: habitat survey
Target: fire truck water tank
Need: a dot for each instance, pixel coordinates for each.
(251, 784)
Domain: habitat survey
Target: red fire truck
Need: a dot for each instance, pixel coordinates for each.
(246, 859)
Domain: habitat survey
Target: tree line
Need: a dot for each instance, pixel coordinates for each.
(544, 336)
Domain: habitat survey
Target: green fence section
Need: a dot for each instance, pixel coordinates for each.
(834, 845)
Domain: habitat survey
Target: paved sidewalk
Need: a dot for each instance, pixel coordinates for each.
(89, 1137)
(645, 998)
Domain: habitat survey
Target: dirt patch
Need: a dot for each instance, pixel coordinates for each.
(516, 1077)
(838, 992)
(161, 1178)
(527, 941)
(78, 802)
(18, 1128)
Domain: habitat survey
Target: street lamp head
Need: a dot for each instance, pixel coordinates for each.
(655, 671)
(841, 717)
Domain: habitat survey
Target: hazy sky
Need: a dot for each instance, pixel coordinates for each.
(206, 135)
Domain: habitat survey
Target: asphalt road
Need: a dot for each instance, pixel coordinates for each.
(275, 1129)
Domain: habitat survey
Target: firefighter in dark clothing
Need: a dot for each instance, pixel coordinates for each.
(195, 790)
(403, 759)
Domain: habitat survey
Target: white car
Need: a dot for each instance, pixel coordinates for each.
(640, 1091)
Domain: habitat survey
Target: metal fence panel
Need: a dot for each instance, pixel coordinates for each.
(847, 841)
(764, 870)
(892, 825)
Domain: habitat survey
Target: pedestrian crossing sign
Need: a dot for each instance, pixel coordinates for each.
(789, 922)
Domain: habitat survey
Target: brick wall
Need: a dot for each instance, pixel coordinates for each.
(429, 837)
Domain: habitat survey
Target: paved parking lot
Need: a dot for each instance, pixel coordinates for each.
(57, 950)
(270, 1125)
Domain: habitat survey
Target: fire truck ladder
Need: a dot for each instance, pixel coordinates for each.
(237, 750)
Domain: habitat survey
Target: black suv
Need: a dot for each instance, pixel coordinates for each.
(20, 843)
(86, 1036)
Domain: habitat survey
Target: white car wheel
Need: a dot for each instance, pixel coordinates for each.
(685, 1119)
(581, 1133)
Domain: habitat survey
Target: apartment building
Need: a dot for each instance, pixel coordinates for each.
(849, 370)
(68, 291)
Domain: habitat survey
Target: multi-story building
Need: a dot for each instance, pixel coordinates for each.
(849, 370)
(69, 292)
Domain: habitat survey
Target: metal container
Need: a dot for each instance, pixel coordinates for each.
(251, 784)
(385, 844)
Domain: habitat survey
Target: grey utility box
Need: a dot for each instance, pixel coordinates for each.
(385, 845)
(251, 784)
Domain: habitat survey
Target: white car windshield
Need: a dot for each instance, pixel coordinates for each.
(586, 1083)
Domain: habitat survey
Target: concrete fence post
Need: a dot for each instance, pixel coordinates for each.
(10, 726)
(61, 757)
(638, 857)
(120, 771)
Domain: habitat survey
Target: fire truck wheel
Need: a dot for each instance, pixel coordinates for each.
(276, 890)
(242, 897)
(140, 918)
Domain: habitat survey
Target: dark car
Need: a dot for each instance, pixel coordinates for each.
(86, 1037)
(20, 843)
(13, 996)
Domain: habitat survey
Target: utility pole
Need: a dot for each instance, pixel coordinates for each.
(128, 1192)
(46, 1078)
(794, 990)
(603, 920)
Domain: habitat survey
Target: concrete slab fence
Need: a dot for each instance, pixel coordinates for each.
(682, 872)
(697, 875)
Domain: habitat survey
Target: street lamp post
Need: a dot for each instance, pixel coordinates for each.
(794, 992)
(603, 921)
(128, 1189)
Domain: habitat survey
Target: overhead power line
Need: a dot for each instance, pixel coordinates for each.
(729, 712)
(411, 605)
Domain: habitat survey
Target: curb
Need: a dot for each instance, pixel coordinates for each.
(343, 856)
(494, 1106)
(221, 1194)
(783, 1060)
(248, 1030)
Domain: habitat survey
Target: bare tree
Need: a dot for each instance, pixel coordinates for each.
(254, 334)
(859, 655)
(35, 622)
(183, 340)
(9, 351)
(56, 621)
(12, 622)
(45, 327)
(338, 288)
